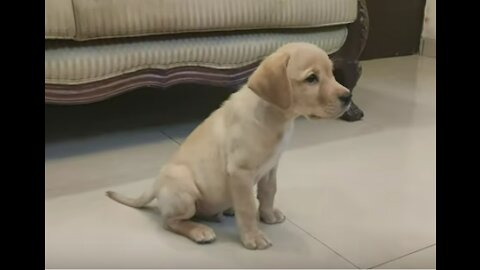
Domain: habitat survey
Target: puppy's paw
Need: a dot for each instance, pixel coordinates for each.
(202, 235)
(272, 217)
(255, 240)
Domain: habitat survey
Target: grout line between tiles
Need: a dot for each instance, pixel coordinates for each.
(403, 256)
(170, 137)
(318, 240)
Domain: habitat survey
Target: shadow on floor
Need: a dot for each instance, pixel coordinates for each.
(142, 108)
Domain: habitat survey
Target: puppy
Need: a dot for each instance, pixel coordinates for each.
(239, 145)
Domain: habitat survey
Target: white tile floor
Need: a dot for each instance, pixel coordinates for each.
(356, 195)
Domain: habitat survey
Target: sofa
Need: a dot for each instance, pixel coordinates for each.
(97, 49)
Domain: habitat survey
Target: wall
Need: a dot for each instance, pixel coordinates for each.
(429, 31)
(395, 28)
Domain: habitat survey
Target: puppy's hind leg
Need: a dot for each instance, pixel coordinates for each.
(178, 209)
(177, 195)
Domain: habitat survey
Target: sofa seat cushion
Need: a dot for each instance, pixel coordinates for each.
(59, 19)
(93, 19)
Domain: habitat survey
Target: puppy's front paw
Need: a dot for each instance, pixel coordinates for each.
(255, 240)
(272, 217)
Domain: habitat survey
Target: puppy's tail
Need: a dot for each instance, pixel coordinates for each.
(139, 202)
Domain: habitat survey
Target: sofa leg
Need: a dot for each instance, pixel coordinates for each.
(347, 74)
(353, 114)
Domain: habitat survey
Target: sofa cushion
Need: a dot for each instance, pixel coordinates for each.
(59, 19)
(126, 18)
(71, 62)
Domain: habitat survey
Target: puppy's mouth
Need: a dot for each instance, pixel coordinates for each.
(339, 114)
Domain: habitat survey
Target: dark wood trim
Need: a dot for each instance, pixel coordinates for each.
(346, 60)
(357, 36)
(101, 90)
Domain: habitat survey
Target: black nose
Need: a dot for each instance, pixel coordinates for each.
(345, 99)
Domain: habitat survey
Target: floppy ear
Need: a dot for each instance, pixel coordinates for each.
(270, 80)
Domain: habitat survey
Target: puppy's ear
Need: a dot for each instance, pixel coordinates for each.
(270, 80)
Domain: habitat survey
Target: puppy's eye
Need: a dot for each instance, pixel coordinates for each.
(312, 78)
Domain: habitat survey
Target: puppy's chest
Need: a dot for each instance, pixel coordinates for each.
(272, 158)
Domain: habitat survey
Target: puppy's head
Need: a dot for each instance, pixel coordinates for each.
(298, 77)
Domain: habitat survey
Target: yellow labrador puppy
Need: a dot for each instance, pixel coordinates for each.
(239, 145)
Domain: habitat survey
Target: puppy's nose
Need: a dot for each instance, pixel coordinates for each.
(345, 99)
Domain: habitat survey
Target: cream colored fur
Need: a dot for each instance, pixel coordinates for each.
(237, 148)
